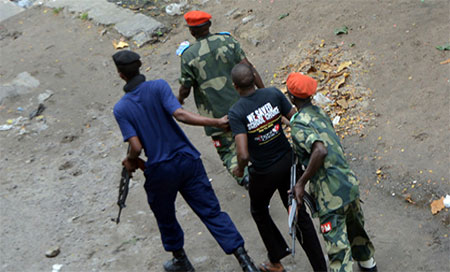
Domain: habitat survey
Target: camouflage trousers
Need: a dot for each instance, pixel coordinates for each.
(345, 237)
(226, 148)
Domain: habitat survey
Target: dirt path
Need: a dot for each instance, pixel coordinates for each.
(58, 179)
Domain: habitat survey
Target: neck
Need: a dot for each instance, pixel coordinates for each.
(248, 91)
(300, 103)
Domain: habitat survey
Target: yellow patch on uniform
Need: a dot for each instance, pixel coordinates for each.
(201, 69)
(305, 118)
(324, 137)
(221, 54)
(204, 48)
(204, 112)
(216, 83)
(334, 202)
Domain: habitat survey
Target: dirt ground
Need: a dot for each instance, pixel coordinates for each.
(60, 172)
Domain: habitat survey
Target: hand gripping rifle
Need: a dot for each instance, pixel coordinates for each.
(124, 185)
(292, 210)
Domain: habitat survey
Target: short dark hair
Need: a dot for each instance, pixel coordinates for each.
(130, 70)
(242, 76)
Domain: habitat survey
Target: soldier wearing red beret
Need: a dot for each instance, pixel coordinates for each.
(206, 67)
(333, 184)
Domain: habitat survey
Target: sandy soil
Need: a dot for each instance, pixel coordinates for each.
(59, 174)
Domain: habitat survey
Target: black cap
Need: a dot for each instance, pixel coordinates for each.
(125, 57)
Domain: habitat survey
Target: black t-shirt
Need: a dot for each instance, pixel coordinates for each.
(259, 116)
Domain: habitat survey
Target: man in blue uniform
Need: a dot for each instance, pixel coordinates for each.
(145, 117)
(255, 121)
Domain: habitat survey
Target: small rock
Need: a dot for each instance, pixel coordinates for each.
(247, 19)
(52, 252)
(44, 96)
(229, 13)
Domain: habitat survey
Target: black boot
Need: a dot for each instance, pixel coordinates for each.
(245, 261)
(179, 263)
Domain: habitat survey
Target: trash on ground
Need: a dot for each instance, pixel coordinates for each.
(5, 127)
(52, 252)
(282, 16)
(340, 93)
(437, 205)
(37, 111)
(447, 201)
(120, 45)
(409, 199)
(445, 61)
(56, 267)
(443, 47)
(175, 9)
(44, 96)
(341, 30)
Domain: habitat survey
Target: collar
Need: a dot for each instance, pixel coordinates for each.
(204, 37)
(133, 83)
(298, 112)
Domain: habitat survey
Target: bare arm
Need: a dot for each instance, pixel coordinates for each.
(183, 93)
(191, 118)
(258, 81)
(132, 160)
(318, 154)
(243, 157)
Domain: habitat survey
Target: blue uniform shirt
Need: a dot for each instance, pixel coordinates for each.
(146, 112)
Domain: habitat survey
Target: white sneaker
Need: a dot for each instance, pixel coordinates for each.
(369, 265)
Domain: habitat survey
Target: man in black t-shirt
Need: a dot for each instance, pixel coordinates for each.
(255, 121)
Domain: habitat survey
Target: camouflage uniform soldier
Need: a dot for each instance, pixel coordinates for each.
(333, 185)
(206, 67)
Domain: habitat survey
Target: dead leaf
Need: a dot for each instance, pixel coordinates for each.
(120, 45)
(437, 205)
(445, 61)
(408, 199)
(340, 83)
(343, 66)
(343, 103)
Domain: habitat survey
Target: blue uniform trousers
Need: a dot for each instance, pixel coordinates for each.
(187, 175)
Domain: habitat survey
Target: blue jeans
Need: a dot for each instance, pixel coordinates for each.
(187, 175)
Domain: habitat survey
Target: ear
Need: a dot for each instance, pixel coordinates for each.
(122, 76)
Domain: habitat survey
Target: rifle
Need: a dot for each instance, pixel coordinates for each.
(124, 185)
(292, 210)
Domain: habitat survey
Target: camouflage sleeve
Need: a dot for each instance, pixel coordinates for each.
(238, 52)
(187, 77)
(305, 136)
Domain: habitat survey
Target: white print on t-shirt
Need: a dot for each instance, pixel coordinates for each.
(269, 135)
(261, 115)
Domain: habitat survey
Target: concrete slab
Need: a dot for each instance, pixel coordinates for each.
(137, 27)
(8, 9)
(136, 24)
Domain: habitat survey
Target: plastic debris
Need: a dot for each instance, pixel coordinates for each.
(443, 47)
(321, 99)
(175, 9)
(447, 201)
(56, 267)
(5, 127)
(20, 109)
(44, 96)
(445, 61)
(282, 16)
(341, 30)
(336, 120)
(37, 112)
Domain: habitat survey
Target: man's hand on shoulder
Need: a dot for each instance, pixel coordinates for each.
(223, 123)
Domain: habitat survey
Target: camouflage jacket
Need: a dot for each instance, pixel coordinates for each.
(206, 66)
(334, 185)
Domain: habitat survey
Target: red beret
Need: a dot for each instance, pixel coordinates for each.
(300, 85)
(196, 18)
